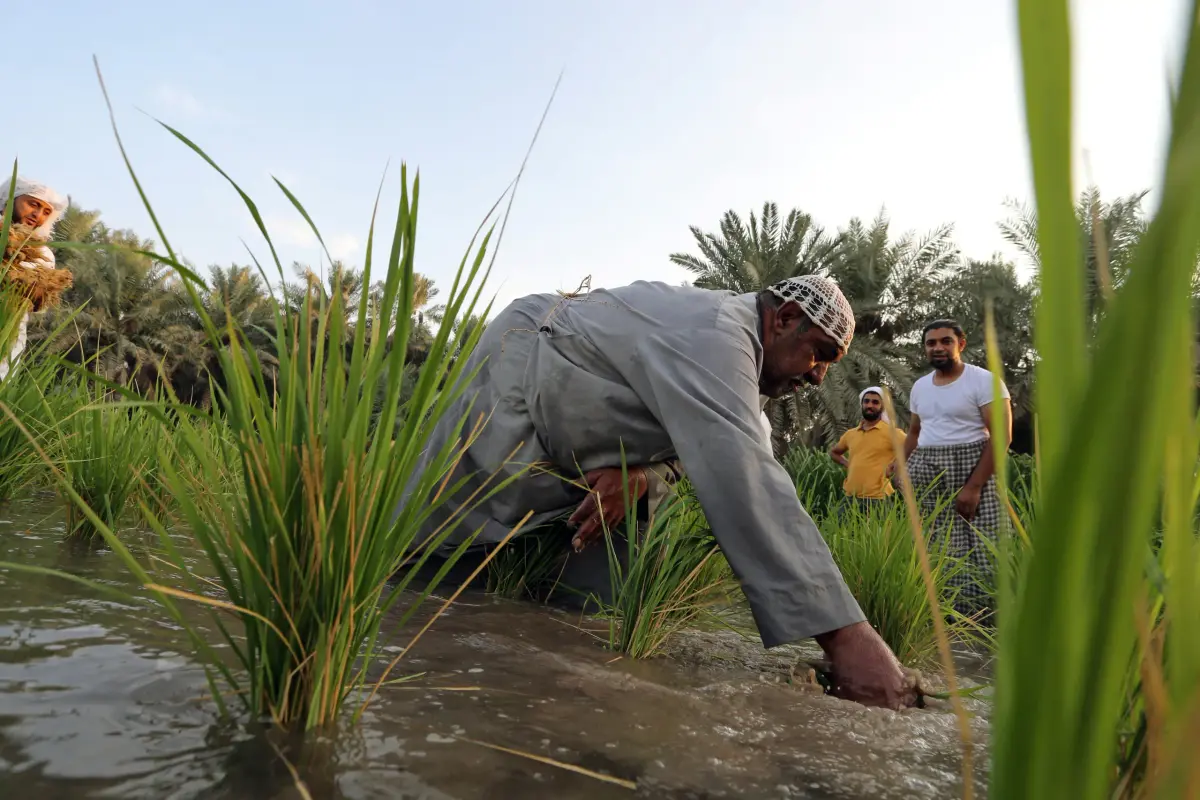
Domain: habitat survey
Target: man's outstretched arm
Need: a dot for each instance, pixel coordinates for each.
(704, 391)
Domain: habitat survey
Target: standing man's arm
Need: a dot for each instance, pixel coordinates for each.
(914, 435)
(838, 452)
(902, 440)
(968, 498)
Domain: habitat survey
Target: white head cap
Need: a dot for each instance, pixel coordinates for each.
(823, 302)
(876, 390)
(41, 192)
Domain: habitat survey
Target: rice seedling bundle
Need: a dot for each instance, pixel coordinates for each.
(673, 574)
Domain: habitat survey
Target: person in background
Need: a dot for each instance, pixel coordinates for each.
(949, 455)
(868, 452)
(647, 373)
(35, 209)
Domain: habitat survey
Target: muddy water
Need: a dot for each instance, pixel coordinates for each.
(101, 698)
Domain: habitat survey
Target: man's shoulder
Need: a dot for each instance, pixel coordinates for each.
(977, 372)
(922, 382)
(980, 378)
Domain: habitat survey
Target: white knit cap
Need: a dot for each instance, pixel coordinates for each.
(877, 391)
(41, 191)
(823, 302)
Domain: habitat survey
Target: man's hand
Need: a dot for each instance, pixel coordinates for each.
(967, 502)
(891, 470)
(605, 502)
(865, 669)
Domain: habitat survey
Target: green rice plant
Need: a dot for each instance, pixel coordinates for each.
(105, 450)
(526, 565)
(1081, 605)
(673, 574)
(1022, 486)
(28, 392)
(325, 536)
(877, 556)
(818, 480)
(329, 510)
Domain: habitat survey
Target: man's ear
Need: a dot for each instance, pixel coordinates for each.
(786, 314)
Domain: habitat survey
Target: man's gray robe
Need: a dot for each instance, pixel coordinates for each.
(666, 372)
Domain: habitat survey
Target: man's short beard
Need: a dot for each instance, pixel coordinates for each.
(871, 416)
(944, 366)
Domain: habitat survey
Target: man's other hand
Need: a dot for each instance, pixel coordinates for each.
(865, 669)
(605, 504)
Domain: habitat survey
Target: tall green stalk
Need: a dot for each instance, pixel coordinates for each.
(673, 574)
(1067, 631)
(106, 451)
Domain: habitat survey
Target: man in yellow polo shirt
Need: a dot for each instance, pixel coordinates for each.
(867, 451)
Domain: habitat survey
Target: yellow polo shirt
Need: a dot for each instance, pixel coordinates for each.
(869, 452)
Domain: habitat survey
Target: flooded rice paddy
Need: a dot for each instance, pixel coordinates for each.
(102, 699)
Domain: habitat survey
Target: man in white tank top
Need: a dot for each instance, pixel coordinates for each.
(950, 455)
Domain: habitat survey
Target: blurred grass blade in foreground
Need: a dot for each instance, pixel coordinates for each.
(1068, 630)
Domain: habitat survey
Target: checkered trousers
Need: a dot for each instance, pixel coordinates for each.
(937, 474)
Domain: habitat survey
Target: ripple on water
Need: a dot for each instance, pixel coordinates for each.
(103, 697)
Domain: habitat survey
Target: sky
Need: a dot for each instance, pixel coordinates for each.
(669, 113)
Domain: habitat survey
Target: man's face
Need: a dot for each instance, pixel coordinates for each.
(872, 406)
(943, 348)
(31, 211)
(795, 353)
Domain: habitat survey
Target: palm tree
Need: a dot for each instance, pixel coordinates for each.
(891, 285)
(129, 317)
(237, 299)
(751, 257)
(464, 327)
(1123, 223)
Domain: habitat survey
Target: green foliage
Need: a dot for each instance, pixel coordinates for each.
(133, 316)
(1080, 612)
(750, 257)
(1022, 487)
(106, 451)
(331, 507)
(523, 567)
(673, 574)
(875, 552)
(818, 480)
(25, 395)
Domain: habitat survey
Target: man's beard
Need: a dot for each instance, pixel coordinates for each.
(871, 416)
(943, 364)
